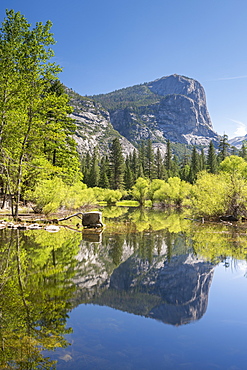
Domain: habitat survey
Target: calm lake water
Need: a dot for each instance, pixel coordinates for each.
(152, 291)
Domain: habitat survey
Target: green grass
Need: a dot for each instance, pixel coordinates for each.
(127, 203)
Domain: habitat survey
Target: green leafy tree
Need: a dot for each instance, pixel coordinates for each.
(174, 191)
(209, 195)
(235, 170)
(34, 117)
(140, 190)
(48, 195)
(155, 185)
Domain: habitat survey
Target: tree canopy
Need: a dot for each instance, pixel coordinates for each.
(35, 128)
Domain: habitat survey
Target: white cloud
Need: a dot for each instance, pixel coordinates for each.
(231, 78)
(241, 128)
(228, 78)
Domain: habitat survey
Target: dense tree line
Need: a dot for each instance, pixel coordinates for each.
(115, 171)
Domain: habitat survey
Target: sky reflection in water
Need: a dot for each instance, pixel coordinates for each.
(211, 300)
(153, 291)
(106, 338)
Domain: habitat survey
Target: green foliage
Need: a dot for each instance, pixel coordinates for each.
(116, 165)
(137, 96)
(235, 171)
(174, 191)
(35, 127)
(155, 185)
(109, 196)
(209, 195)
(211, 159)
(36, 291)
(223, 148)
(217, 242)
(48, 195)
(140, 190)
(235, 166)
(77, 196)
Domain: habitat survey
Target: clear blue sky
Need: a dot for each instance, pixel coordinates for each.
(104, 45)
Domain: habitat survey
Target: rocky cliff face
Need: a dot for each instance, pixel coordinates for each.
(237, 141)
(172, 107)
(175, 291)
(94, 127)
(179, 288)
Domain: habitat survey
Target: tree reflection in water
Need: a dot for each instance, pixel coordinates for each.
(149, 263)
(35, 295)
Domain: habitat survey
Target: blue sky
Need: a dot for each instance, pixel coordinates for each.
(104, 45)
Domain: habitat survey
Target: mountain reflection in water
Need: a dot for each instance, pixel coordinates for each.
(150, 264)
(174, 291)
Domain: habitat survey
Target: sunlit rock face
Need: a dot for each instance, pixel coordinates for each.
(179, 113)
(172, 107)
(93, 126)
(184, 287)
(170, 289)
(178, 290)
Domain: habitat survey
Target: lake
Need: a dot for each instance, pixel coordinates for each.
(154, 290)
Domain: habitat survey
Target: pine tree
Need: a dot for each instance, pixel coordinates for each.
(223, 148)
(211, 159)
(134, 165)
(194, 165)
(94, 174)
(174, 171)
(85, 167)
(128, 176)
(103, 178)
(159, 166)
(116, 164)
(168, 158)
(202, 161)
(141, 157)
(149, 170)
(243, 150)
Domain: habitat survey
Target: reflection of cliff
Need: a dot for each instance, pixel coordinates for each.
(175, 292)
(150, 274)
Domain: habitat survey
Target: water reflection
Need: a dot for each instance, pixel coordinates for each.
(175, 292)
(35, 281)
(151, 264)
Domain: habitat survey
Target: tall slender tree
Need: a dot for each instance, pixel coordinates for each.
(116, 164)
(149, 168)
(223, 148)
(168, 158)
(94, 174)
(211, 159)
